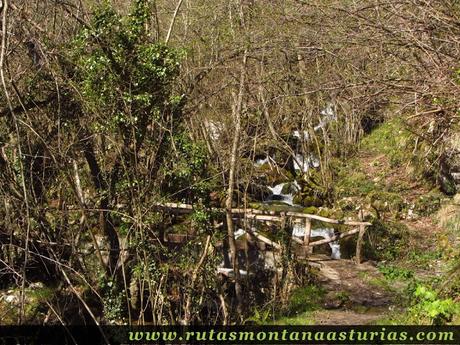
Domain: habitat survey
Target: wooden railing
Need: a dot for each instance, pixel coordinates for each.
(280, 216)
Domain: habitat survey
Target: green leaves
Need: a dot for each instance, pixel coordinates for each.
(429, 305)
(123, 77)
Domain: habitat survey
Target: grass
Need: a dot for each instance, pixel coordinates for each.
(307, 298)
(390, 139)
(354, 184)
(302, 303)
(302, 319)
(422, 259)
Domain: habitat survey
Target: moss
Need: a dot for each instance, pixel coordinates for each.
(386, 202)
(35, 308)
(268, 175)
(354, 183)
(391, 139)
(308, 200)
(447, 184)
(288, 188)
(306, 298)
(310, 210)
(386, 240)
(302, 319)
(331, 213)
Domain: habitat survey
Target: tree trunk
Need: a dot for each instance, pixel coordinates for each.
(231, 181)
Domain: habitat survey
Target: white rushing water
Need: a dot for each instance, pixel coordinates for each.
(261, 161)
(299, 231)
(214, 129)
(278, 195)
(306, 136)
(303, 164)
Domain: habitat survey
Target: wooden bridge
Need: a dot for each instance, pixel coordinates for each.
(358, 227)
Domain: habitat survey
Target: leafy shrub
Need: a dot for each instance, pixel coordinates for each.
(429, 203)
(429, 306)
(394, 273)
(386, 241)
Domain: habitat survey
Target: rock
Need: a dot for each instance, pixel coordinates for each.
(333, 301)
(308, 200)
(447, 184)
(12, 299)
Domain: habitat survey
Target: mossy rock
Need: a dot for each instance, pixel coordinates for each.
(447, 184)
(386, 240)
(269, 176)
(290, 188)
(310, 210)
(258, 191)
(311, 182)
(308, 200)
(383, 202)
(331, 213)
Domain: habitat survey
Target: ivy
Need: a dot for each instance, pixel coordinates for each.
(124, 77)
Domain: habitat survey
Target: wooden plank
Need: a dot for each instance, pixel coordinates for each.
(297, 240)
(265, 217)
(254, 211)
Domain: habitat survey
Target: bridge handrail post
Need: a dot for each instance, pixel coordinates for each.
(359, 244)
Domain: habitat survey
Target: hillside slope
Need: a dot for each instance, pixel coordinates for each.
(410, 247)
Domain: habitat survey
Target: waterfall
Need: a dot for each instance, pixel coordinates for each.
(278, 195)
(214, 129)
(303, 164)
(261, 161)
(299, 231)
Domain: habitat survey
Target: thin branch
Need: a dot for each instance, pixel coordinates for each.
(173, 20)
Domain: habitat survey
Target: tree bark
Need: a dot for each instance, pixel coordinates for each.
(231, 181)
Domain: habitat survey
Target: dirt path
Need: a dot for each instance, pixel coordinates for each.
(353, 295)
(347, 317)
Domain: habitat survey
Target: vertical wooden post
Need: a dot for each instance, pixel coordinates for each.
(306, 236)
(359, 244)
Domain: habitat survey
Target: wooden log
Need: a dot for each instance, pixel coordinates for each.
(178, 238)
(306, 237)
(334, 238)
(324, 219)
(297, 240)
(264, 239)
(359, 244)
(263, 215)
